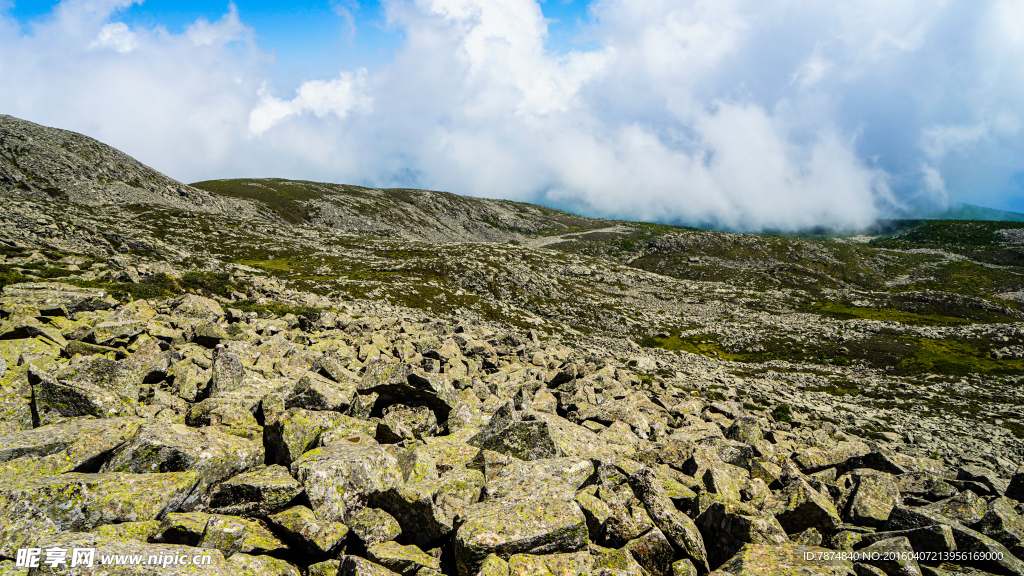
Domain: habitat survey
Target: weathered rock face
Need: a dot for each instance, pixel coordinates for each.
(339, 479)
(513, 526)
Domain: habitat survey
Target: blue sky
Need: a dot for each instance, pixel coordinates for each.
(313, 39)
(746, 113)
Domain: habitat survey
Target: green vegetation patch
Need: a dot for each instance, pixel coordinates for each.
(956, 357)
(946, 233)
(841, 311)
(285, 197)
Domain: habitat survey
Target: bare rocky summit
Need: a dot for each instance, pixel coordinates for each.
(306, 379)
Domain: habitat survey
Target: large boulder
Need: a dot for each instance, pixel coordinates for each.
(1003, 524)
(79, 445)
(874, 496)
(258, 492)
(989, 554)
(315, 392)
(298, 430)
(199, 307)
(677, 527)
(400, 383)
(513, 526)
(231, 535)
(166, 447)
(427, 508)
(32, 507)
(799, 507)
(54, 400)
(726, 529)
(339, 479)
(894, 556)
(304, 531)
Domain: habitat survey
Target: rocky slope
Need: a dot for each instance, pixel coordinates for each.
(309, 389)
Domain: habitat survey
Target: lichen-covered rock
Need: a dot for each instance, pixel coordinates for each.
(231, 534)
(258, 492)
(402, 422)
(25, 327)
(299, 430)
(52, 299)
(325, 568)
(33, 507)
(618, 563)
(966, 508)
(182, 528)
(1003, 524)
(894, 556)
(356, 566)
(260, 565)
(653, 551)
(726, 528)
(493, 565)
(725, 480)
(304, 531)
(427, 509)
(406, 560)
(143, 531)
(339, 479)
(507, 527)
(799, 507)
(874, 496)
(403, 383)
(227, 373)
(315, 392)
(76, 445)
(165, 447)
(372, 526)
(192, 306)
(784, 560)
(677, 527)
(937, 538)
(994, 556)
(54, 401)
(234, 414)
(928, 486)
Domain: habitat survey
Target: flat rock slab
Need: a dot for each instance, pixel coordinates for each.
(514, 526)
(63, 447)
(31, 508)
(52, 299)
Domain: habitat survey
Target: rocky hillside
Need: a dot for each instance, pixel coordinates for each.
(422, 215)
(277, 377)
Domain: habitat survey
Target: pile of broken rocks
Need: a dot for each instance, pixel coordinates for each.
(388, 443)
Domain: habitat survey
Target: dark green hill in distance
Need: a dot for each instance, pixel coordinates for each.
(972, 212)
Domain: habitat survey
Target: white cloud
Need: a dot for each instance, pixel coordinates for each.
(769, 113)
(228, 29)
(337, 96)
(117, 36)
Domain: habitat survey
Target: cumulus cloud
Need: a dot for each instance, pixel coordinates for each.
(116, 36)
(337, 96)
(743, 114)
